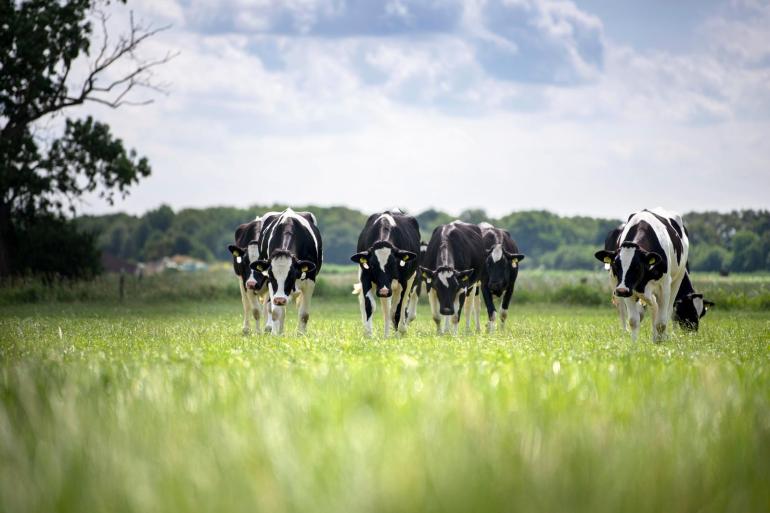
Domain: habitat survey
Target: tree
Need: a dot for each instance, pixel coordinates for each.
(41, 43)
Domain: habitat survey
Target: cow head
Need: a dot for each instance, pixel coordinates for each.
(242, 257)
(383, 263)
(501, 265)
(449, 284)
(632, 267)
(283, 270)
(690, 309)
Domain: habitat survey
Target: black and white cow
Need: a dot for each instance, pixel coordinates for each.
(452, 269)
(611, 245)
(291, 253)
(689, 306)
(649, 265)
(253, 285)
(387, 255)
(501, 268)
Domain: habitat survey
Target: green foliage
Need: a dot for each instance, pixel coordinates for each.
(53, 248)
(166, 407)
(42, 42)
(549, 241)
(709, 258)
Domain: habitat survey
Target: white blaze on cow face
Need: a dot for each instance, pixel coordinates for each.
(388, 218)
(281, 266)
(497, 252)
(698, 304)
(382, 254)
(444, 276)
(253, 251)
(626, 257)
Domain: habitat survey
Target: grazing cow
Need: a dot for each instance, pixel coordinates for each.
(291, 253)
(452, 269)
(501, 268)
(649, 265)
(252, 284)
(689, 306)
(387, 256)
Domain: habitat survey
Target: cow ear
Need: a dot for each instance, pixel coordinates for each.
(652, 258)
(260, 265)
(463, 276)
(404, 256)
(426, 273)
(604, 256)
(305, 266)
(515, 258)
(236, 251)
(708, 304)
(361, 258)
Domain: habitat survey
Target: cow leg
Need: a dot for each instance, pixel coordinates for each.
(279, 316)
(246, 307)
(661, 314)
(634, 318)
(489, 301)
(367, 304)
(396, 297)
(401, 311)
(411, 309)
(507, 295)
(434, 310)
(268, 312)
(385, 302)
(306, 288)
(455, 319)
(477, 308)
(469, 307)
(414, 298)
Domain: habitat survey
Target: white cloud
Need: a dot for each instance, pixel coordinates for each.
(418, 120)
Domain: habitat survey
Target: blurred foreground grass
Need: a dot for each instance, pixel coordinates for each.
(166, 407)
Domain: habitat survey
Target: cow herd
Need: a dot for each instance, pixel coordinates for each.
(278, 256)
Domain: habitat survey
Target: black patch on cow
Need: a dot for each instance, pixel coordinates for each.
(498, 278)
(674, 233)
(284, 235)
(458, 248)
(403, 240)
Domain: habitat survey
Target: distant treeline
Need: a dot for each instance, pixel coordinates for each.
(737, 241)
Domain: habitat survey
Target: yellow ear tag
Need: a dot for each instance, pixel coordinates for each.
(235, 253)
(652, 260)
(425, 275)
(406, 257)
(260, 268)
(514, 263)
(465, 278)
(305, 268)
(363, 261)
(607, 260)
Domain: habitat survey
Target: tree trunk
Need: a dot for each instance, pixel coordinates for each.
(6, 240)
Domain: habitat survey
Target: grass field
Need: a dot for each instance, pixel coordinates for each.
(167, 408)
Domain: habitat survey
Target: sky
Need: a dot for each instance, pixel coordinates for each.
(591, 107)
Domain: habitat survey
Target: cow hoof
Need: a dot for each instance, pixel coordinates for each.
(268, 329)
(245, 331)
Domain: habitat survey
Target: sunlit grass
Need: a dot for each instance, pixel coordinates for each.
(167, 407)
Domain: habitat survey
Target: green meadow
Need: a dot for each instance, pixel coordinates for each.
(163, 406)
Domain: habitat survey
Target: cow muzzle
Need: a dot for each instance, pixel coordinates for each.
(384, 292)
(279, 301)
(447, 310)
(251, 284)
(623, 292)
